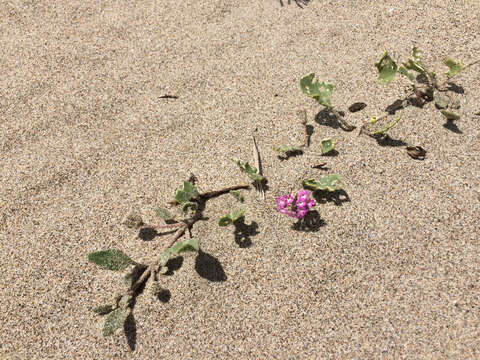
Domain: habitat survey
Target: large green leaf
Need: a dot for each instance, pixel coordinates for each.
(182, 246)
(114, 320)
(387, 68)
(316, 90)
(111, 259)
(454, 67)
(190, 189)
(329, 183)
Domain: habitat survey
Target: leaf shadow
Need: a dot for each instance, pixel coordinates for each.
(164, 295)
(173, 265)
(149, 234)
(208, 267)
(312, 222)
(300, 3)
(130, 330)
(331, 153)
(386, 140)
(450, 125)
(244, 232)
(326, 118)
(337, 197)
(290, 154)
(261, 185)
(458, 89)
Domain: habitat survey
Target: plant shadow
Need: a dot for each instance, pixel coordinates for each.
(130, 330)
(261, 185)
(208, 267)
(326, 118)
(300, 3)
(450, 125)
(386, 140)
(244, 232)
(149, 234)
(458, 89)
(290, 154)
(331, 153)
(338, 197)
(310, 223)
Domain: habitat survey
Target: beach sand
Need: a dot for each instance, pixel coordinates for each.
(392, 269)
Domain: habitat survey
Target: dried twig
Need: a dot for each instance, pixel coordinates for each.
(258, 164)
(210, 194)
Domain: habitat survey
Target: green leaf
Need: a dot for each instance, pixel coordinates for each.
(387, 68)
(224, 221)
(189, 205)
(113, 321)
(441, 101)
(236, 194)
(327, 145)
(316, 90)
(128, 279)
(415, 63)
(164, 213)
(285, 148)
(236, 214)
(450, 115)
(190, 189)
(163, 270)
(182, 246)
(181, 196)
(454, 67)
(384, 129)
(103, 309)
(112, 259)
(329, 183)
(251, 171)
(402, 70)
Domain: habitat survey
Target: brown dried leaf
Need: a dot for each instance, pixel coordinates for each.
(416, 152)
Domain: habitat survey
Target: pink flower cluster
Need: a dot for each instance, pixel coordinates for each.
(303, 203)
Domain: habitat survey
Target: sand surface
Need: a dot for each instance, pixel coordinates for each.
(392, 269)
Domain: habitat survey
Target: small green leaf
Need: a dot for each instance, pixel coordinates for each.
(164, 259)
(112, 259)
(450, 115)
(113, 321)
(189, 205)
(182, 246)
(327, 145)
(236, 194)
(329, 183)
(251, 171)
(387, 127)
(163, 270)
(285, 148)
(103, 309)
(224, 221)
(415, 63)
(164, 213)
(128, 279)
(387, 68)
(236, 214)
(316, 90)
(181, 196)
(402, 70)
(454, 67)
(190, 189)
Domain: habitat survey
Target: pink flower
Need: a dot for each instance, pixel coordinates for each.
(299, 210)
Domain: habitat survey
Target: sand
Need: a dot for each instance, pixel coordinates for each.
(392, 269)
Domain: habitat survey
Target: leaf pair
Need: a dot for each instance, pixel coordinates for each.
(320, 91)
(234, 215)
(251, 171)
(330, 183)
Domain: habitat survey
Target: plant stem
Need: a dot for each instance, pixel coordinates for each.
(151, 268)
(209, 194)
(158, 227)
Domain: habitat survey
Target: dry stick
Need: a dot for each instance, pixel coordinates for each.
(209, 194)
(258, 164)
(343, 123)
(306, 143)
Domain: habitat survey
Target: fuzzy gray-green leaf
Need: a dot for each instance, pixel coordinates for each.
(164, 213)
(454, 67)
(236, 194)
(182, 246)
(329, 183)
(113, 321)
(450, 115)
(103, 309)
(111, 259)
